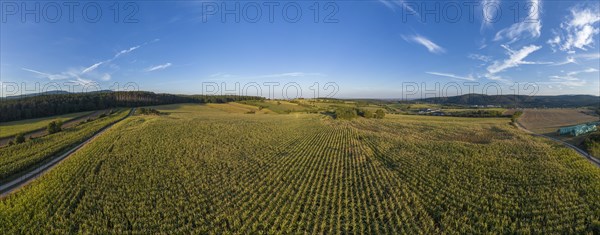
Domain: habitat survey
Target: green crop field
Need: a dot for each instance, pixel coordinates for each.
(278, 106)
(16, 127)
(17, 158)
(200, 169)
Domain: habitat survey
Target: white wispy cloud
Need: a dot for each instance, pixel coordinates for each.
(60, 76)
(431, 46)
(76, 75)
(531, 26)
(570, 79)
(515, 59)
(568, 60)
(82, 82)
(117, 55)
(393, 4)
(123, 52)
(578, 31)
(489, 11)
(93, 67)
(483, 58)
(468, 78)
(106, 77)
(158, 67)
(588, 56)
(495, 77)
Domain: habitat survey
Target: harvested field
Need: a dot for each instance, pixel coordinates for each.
(547, 121)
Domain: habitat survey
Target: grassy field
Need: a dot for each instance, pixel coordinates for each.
(547, 121)
(238, 108)
(201, 169)
(20, 157)
(278, 106)
(13, 128)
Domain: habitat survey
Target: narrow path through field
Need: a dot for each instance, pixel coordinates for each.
(584, 154)
(17, 183)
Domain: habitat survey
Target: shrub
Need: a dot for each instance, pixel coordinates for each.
(366, 113)
(345, 113)
(379, 114)
(19, 138)
(515, 116)
(54, 127)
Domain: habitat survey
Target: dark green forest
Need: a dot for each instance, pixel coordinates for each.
(57, 104)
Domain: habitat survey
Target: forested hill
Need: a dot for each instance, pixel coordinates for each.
(521, 101)
(57, 104)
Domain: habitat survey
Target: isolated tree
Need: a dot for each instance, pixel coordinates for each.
(19, 138)
(54, 127)
(345, 113)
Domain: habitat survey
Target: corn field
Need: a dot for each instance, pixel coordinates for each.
(202, 170)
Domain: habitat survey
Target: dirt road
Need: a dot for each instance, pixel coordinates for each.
(23, 180)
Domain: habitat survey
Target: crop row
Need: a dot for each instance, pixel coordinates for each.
(212, 173)
(17, 158)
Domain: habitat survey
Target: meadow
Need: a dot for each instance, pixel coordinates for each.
(12, 128)
(212, 169)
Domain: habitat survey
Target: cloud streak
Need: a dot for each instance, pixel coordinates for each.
(531, 26)
(158, 67)
(52, 77)
(423, 41)
(468, 78)
(571, 79)
(117, 55)
(515, 59)
(393, 4)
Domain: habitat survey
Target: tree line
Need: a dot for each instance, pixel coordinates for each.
(50, 105)
(350, 113)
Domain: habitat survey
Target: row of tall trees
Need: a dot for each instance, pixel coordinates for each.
(50, 105)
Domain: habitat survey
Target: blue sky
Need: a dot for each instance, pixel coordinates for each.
(368, 49)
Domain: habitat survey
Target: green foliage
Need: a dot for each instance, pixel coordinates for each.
(49, 105)
(515, 116)
(17, 158)
(148, 111)
(592, 144)
(54, 127)
(8, 129)
(19, 138)
(379, 114)
(280, 107)
(345, 113)
(476, 113)
(366, 113)
(204, 171)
